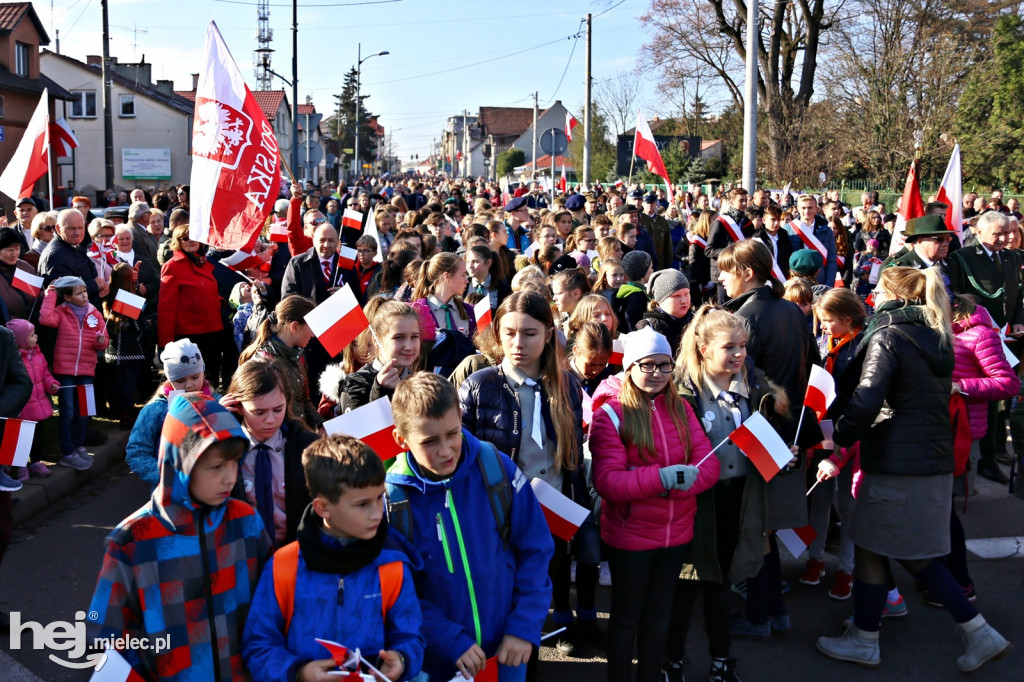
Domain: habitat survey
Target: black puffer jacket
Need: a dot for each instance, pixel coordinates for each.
(900, 365)
(671, 328)
(491, 412)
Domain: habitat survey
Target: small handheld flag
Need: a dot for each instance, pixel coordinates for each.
(821, 391)
(86, 400)
(128, 304)
(762, 445)
(373, 424)
(27, 282)
(796, 540)
(346, 257)
(242, 260)
(564, 516)
(352, 219)
(16, 441)
(482, 312)
(618, 352)
(279, 231)
(338, 320)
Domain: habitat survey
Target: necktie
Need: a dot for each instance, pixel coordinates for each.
(327, 272)
(448, 320)
(537, 431)
(995, 259)
(480, 289)
(264, 487)
(733, 407)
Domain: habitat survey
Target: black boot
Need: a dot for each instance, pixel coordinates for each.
(723, 670)
(992, 472)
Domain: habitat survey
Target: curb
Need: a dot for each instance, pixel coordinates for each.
(38, 494)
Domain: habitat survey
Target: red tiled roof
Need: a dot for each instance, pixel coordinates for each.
(190, 95)
(269, 101)
(11, 14)
(304, 109)
(544, 162)
(706, 144)
(505, 121)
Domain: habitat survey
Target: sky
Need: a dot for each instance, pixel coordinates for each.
(445, 55)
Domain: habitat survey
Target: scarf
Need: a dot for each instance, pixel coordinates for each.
(80, 311)
(324, 558)
(893, 312)
(834, 344)
(197, 259)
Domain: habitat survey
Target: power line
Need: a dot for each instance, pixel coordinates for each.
(326, 4)
(566, 70)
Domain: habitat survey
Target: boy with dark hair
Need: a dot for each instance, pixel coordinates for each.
(468, 509)
(346, 578)
(185, 565)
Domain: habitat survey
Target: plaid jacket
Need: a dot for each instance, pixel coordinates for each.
(179, 569)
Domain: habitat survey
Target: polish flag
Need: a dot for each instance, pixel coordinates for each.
(951, 193)
(346, 257)
(588, 410)
(910, 207)
(112, 667)
(562, 183)
(31, 159)
(242, 260)
(63, 137)
(373, 423)
(482, 312)
(236, 163)
(128, 304)
(796, 540)
(617, 353)
(488, 674)
(806, 235)
(352, 219)
(338, 320)
(762, 445)
(645, 147)
(86, 400)
(570, 123)
(564, 516)
(16, 441)
(279, 231)
(27, 282)
(339, 652)
(372, 231)
(821, 391)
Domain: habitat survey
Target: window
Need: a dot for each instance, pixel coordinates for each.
(2, 114)
(84, 104)
(22, 55)
(127, 106)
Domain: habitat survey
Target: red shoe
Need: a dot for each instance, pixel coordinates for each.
(814, 571)
(842, 586)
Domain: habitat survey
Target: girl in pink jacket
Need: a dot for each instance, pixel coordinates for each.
(81, 334)
(39, 406)
(650, 460)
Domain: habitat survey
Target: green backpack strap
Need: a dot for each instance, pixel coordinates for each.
(499, 492)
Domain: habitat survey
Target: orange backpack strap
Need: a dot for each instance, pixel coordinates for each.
(390, 585)
(286, 568)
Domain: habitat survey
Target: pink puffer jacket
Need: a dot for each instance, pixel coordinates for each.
(74, 354)
(39, 406)
(636, 513)
(981, 368)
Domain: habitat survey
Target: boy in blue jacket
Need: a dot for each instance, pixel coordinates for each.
(346, 578)
(484, 589)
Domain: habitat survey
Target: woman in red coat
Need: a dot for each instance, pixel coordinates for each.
(189, 304)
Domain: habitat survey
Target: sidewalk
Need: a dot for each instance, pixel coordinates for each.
(38, 493)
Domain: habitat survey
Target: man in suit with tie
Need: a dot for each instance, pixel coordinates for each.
(991, 273)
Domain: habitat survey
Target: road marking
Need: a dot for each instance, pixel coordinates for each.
(996, 548)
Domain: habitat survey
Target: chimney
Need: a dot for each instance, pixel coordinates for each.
(195, 81)
(94, 60)
(165, 86)
(309, 99)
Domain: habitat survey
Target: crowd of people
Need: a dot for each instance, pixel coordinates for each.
(630, 333)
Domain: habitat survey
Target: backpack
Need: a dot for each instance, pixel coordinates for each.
(498, 493)
(286, 568)
(451, 347)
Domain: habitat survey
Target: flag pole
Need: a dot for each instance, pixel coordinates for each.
(632, 159)
(813, 487)
(713, 450)
(288, 170)
(49, 162)
(799, 424)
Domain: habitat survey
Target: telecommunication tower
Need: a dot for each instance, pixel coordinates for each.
(261, 57)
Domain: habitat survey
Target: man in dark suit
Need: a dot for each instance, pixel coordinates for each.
(991, 273)
(775, 238)
(315, 274)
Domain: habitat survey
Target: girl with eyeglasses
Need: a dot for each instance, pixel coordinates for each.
(650, 460)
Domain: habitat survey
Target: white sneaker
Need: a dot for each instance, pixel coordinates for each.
(984, 644)
(854, 646)
(604, 575)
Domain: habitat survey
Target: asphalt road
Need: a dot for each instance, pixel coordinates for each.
(50, 571)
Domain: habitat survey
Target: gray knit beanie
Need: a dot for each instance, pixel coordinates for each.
(664, 283)
(636, 263)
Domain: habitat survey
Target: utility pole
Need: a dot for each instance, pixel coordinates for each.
(295, 85)
(750, 103)
(586, 117)
(108, 120)
(533, 159)
(465, 143)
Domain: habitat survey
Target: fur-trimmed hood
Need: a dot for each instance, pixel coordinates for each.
(331, 381)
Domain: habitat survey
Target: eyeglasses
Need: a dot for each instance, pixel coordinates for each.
(649, 367)
(365, 251)
(939, 239)
(47, 228)
(318, 221)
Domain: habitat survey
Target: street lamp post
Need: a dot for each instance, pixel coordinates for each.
(359, 69)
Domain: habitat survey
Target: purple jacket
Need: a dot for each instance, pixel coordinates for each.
(981, 368)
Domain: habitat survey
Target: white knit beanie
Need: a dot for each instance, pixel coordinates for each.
(643, 344)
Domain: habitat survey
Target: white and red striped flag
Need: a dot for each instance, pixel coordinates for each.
(910, 207)
(951, 193)
(373, 423)
(31, 159)
(570, 123)
(617, 352)
(562, 182)
(796, 540)
(371, 231)
(86, 400)
(482, 312)
(347, 257)
(821, 391)
(26, 282)
(646, 148)
(114, 668)
(129, 304)
(762, 445)
(588, 410)
(16, 441)
(564, 516)
(337, 321)
(352, 219)
(62, 137)
(242, 260)
(236, 164)
(279, 231)
(339, 652)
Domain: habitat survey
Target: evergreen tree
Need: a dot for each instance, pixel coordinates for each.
(342, 123)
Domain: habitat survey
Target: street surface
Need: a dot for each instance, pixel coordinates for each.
(50, 571)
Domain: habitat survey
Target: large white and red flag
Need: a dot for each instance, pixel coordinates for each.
(646, 148)
(762, 445)
(910, 207)
(31, 159)
(373, 424)
(570, 123)
(337, 321)
(821, 391)
(236, 164)
(951, 193)
(564, 516)
(62, 137)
